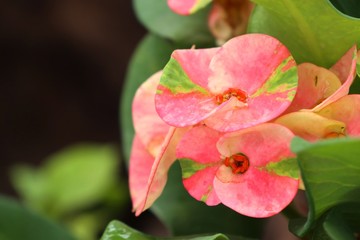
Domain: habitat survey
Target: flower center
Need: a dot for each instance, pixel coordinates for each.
(239, 163)
(231, 92)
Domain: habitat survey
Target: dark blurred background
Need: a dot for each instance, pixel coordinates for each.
(62, 67)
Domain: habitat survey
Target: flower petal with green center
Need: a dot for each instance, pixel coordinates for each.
(260, 191)
(256, 66)
(265, 186)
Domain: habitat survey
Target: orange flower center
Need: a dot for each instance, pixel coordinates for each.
(231, 92)
(239, 163)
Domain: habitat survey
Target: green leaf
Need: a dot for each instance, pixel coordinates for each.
(119, 231)
(339, 223)
(150, 56)
(17, 222)
(314, 31)
(72, 179)
(159, 19)
(184, 215)
(330, 170)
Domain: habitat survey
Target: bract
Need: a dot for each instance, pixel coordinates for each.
(261, 188)
(317, 111)
(148, 126)
(251, 79)
(186, 7)
(347, 110)
(153, 150)
(311, 126)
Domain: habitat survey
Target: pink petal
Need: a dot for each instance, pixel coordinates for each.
(346, 64)
(158, 175)
(273, 140)
(347, 110)
(257, 192)
(199, 160)
(139, 172)
(246, 62)
(181, 99)
(149, 127)
(343, 67)
(315, 85)
(195, 63)
(200, 185)
(268, 76)
(231, 117)
(311, 126)
(186, 7)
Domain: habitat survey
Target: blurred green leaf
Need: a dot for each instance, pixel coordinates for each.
(150, 56)
(340, 223)
(119, 231)
(314, 31)
(330, 170)
(19, 223)
(184, 215)
(159, 19)
(72, 179)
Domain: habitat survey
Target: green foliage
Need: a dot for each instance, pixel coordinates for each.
(18, 222)
(119, 231)
(330, 171)
(339, 223)
(70, 183)
(314, 31)
(159, 19)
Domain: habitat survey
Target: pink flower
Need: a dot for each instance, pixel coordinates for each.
(322, 108)
(244, 170)
(186, 7)
(319, 86)
(153, 150)
(251, 79)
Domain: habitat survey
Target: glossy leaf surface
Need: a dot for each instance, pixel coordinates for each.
(18, 222)
(119, 231)
(159, 19)
(314, 31)
(330, 171)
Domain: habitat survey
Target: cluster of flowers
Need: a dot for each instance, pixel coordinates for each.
(228, 114)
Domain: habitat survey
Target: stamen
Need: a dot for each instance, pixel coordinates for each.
(239, 163)
(231, 92)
